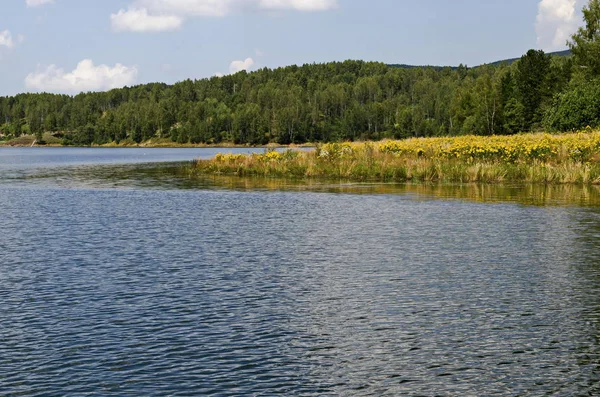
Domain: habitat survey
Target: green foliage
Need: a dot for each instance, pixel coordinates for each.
(531, 86)
(577, 108)
(586, 42)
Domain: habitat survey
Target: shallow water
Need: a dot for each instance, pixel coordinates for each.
(121, 279)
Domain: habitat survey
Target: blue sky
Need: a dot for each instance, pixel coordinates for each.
(88, 45)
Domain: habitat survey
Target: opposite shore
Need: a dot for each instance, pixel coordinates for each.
(51, 141)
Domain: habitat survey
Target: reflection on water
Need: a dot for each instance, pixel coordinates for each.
(522, 194)
(176, 176)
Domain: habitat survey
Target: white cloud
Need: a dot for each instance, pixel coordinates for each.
(556, 21)
(36, 3)
(209, 8)
(6, 39)
(85, 77)
(138, 20)
(161, 15)
(299, 5)
(238, 66)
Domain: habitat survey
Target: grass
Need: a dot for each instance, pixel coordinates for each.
(531, 158)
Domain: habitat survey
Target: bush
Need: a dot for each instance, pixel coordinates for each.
(577, 108)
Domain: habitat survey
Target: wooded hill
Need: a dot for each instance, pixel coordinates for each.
(335, 101)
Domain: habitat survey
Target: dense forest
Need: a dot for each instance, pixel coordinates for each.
(351, 100)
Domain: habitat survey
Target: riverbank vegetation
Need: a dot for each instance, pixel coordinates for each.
(532, 158)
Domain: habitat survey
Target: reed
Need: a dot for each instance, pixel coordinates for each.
(533, 158)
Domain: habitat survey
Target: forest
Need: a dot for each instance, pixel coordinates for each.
(337, 101)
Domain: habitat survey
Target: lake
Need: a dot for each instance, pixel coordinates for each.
(119, 275)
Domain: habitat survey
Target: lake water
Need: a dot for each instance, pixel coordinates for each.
(120, 279)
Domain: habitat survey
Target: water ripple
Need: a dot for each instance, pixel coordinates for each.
(228, 293)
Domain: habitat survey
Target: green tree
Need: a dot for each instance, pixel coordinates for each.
(577, 108)
(531, 82)
(585, 44)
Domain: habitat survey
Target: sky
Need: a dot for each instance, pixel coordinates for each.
(70, 46)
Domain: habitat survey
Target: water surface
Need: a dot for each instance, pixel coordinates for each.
(120, 279)
(17, 163)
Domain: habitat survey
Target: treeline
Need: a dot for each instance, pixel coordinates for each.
(336, 101)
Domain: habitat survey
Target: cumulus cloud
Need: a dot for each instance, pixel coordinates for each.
(6, 39)
(170, 14)
(85, 77)
(36, 3)
(556, 21)
(138, 20)
(238, 66)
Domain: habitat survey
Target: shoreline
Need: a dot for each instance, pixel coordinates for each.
(151, 145)
(527, 158)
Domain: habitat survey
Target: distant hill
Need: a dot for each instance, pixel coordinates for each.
(564, 53)
(405, 66)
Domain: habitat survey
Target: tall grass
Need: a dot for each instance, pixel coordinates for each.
(532, 158)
